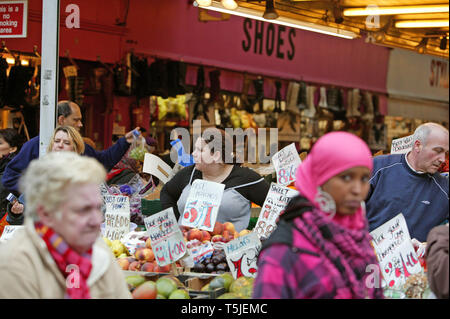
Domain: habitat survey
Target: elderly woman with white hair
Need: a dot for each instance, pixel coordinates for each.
(59, 253)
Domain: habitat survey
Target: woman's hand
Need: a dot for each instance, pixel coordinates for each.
(17, 208)
(130, 136)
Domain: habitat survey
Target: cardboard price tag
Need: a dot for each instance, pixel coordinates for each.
(395, 252)
(285, 163)
(242, 255)
(117, 217)
(155, 166)
(276, 201)
(402, 145)
(166, 237)
(9, 231)
(202, 205)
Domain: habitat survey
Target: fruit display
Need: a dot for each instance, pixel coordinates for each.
(165, 287)
(222, 232)
(217, 263)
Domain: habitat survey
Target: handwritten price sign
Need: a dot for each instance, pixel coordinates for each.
(402, 145)
(117, 216)
(242, 255)
(166, 237)
(202, 205)
(285, 163)
(395, 252)
(276, 201)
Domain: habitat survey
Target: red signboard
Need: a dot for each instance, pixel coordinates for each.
(13, 19)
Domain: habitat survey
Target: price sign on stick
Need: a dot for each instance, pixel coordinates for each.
(285, 163)
(395, 252)
(155, 166)
(202, 205)
(276, 201)
(242, 255)
(9, 231)
(402, 145)
(166, 237)
(117, 216)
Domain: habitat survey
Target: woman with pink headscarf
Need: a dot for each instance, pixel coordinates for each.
(321, 246)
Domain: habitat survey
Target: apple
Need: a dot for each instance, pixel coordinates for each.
(229, 226)
(206, 236)
(135, 266)
(144, 254)
(216, 238)
(131, 259)
(159, 268)
(123, 263)
(218, 228)
(148, 267)
(195, 233)
(226, 234)
(148, 244)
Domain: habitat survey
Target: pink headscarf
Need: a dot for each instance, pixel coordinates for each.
(332, 154)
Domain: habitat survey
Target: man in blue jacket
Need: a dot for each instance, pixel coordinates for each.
(68, 114)
(411, 184)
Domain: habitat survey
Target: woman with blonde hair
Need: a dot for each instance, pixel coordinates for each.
(66, 138)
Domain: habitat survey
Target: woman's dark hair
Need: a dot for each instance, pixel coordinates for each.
(226, 145)
(12, 137)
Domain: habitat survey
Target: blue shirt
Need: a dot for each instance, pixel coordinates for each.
(396, 188)
(30, 151)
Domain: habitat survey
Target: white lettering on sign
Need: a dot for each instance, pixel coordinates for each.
(13, 19)
(395, 252)
(242, 255)
(276, 201)
(117, 216)
(402, 145)
(286, 162)
(202, 205)
(165, 236)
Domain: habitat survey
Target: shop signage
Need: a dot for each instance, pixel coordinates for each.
(202, 205)
(117, 217)
(165, 236)
(242, 255)
(9, 231)
(276, 201)
(156, 166)
(395, 252)
(417, 75)
(285, 163)
(13, 19)
(402, 145)
(268, 39)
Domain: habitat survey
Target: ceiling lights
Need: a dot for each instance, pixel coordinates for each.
(437, 23)
(256, 15)
(375, 10)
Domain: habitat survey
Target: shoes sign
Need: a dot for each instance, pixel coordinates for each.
(202, 205)
(165, 236)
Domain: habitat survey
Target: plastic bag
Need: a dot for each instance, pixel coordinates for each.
(137, 148)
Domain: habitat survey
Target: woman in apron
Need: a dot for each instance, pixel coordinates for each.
(242, 185)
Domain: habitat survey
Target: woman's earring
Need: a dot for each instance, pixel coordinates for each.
(326, 202)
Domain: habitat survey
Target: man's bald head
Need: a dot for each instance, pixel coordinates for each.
(69, 114)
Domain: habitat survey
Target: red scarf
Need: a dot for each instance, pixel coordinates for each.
(69, 262)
